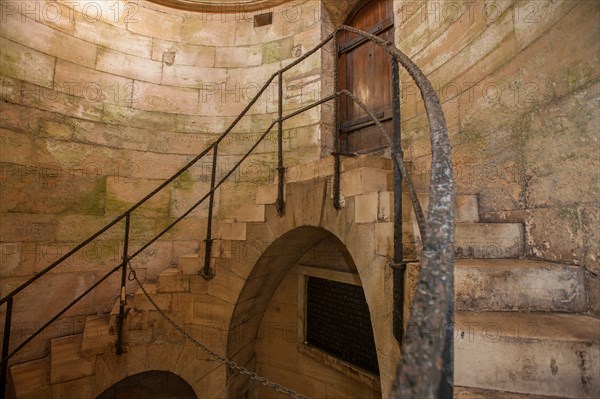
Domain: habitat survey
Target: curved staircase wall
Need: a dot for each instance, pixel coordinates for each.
(101, 102)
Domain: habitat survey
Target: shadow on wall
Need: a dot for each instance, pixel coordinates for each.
(150, 385)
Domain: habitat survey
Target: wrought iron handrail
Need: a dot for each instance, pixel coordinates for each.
(432, 304)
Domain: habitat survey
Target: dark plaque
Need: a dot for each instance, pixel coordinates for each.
(338, 322)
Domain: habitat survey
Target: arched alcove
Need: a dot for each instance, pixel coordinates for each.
(150, 385)
(268, 332)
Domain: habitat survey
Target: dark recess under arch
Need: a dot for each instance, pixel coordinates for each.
(150, 385)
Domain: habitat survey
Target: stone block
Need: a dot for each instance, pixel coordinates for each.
(66, 363)
(363, 180)
(121, 194)
(209, 80)
(489, 240)
(26, 64)
(128, 66)
(141, 303)
(148, 22)
(385, 208)
(171, 280)
(98, 336)
(232, 57)
(30, 378)
(190, 264)
(232, 231)
(519, 285)
(365, 207)
(183, 307)
(91, 85)
(384, 239)
(534, 354)
(169, 99)
(48, 40)
(183, 54)
(250, 213)
(114, 38)
(267, 194)
(204, 31)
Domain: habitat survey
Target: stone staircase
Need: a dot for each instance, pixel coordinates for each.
(518, 330)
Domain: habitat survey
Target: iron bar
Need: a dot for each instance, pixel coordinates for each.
(280, 205)
(52, 320)
(123, 295)
(336, 125)
(5, 348)
(207, 273)
(399, 269)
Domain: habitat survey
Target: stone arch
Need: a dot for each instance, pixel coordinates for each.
(155, 384)
(280, 242)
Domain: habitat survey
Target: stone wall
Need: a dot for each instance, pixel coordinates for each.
(519, 86)
(104, 100)
(282, 355)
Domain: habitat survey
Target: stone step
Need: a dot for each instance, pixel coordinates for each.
(466, 207)
(29, 378)
(190, 263)
(140, 303)
(66, 361)
(518, 285)
(477, 393)
(489, 240)
(379, 207)
(171, 280)
(528, 353)
(98, 335)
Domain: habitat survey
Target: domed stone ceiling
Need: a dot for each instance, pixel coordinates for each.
(219, 6)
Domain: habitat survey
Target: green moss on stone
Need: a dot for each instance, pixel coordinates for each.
(571, 216)
(92, 203)
(184, 181)
(277, 50)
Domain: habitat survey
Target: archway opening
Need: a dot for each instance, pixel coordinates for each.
(150, 385)
(284, 324)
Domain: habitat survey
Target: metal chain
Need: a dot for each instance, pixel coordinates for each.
(229, 363)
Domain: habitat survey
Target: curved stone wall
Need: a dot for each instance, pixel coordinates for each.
(519, 85)
(104, 100)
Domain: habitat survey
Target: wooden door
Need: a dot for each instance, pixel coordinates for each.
(365, 71)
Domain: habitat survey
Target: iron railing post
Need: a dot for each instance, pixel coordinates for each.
(336, 126)
(5, 344)
(123, 296)
(280, 168)
(207, 272)
(399, 266)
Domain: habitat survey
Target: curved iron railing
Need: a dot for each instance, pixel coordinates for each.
(419, 373)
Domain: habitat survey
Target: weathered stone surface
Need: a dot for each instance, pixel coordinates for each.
(14, 56)
(66, 363)
(190, 264)
(98, 336)
(171, 280)
(538, 354)
(232, 231)
(31, 377)
(148, 22)
(251, 213)
(363, 180)
(365, 208)
(113, 37)
(128, 66)
(489, 240)
(519, 285)
(47, 40)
